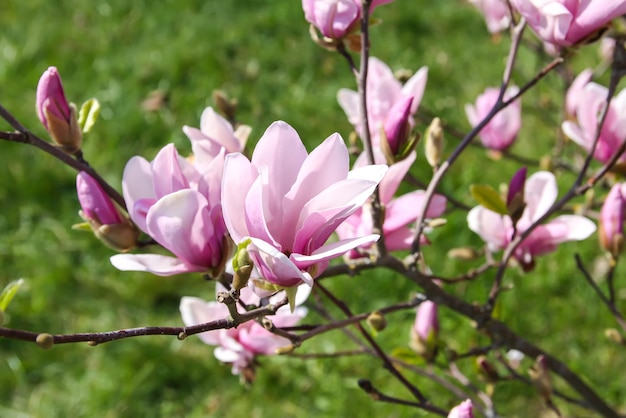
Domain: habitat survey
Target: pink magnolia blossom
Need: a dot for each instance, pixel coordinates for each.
(214, 134)
(400, 212)
(464, 410)
(239, 346)
(177, 203)
(591, 100)
(575, 91)
(335, 18)
(567, 22)
(383, 92)
(287, 203)
(55, 113)
(611, 229)
(500, 133)
(540, 192)
(496, 13)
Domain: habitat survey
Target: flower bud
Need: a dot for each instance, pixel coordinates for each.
(611, 230)
(540, 376)
(56, 114)
(486, 370)
(45, 341)
(434, 142)
(377, 321)
(397, 127)
(515, 196)
(425, 331)
(114, 230)
(464, 410)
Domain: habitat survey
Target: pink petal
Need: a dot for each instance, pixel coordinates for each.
(137, 184)
(390, 183)
(195, 311)
(160, 265)
(540, 193)
(415, 87)
(180, 222)
(239, 175)
(332, 250)
(490, 226)
(276, 267)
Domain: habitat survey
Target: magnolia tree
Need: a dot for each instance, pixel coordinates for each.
(270, 222)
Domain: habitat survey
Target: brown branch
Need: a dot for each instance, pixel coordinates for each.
(79, 164)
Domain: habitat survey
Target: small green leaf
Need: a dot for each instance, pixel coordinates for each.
(291, 296)
(8, 292)
(489, 198)
(407, 355)
(83, 226)
(88, 115)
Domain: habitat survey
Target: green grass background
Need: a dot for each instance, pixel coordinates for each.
(260, 53)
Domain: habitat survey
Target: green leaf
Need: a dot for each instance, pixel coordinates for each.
(83, 226)
(88, 115)
(407, 355)
(8, 292)
(489, 198)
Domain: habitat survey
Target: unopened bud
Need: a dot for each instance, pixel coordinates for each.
(515, 199)
(227, 106)
(243, 267)
(181, 336)
(287, 349)
(56, 114)
(614, 336)
(463, 253)
(486, 370)
(377, 321)
(433, 143)
(45, 341)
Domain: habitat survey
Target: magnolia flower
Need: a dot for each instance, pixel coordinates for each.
(611, 229)
(575, 91)
(397, 125)
(383, 92)
(177, 203)
(55, 113)
(501, 131)
(214, 134)
(540, 193)
(239, 346)
(590, 102)
(496, 13)
(399, 212)
(567, 22)
(100, 212)
(335, 18)
(284, 203)
(464, 410)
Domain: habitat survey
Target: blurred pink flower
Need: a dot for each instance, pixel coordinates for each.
(575, 91)
(611, 229)
(540, 192)
(496, 13)
(239, 346)
(400, 212)
(55, 113)
(335, 18)
(464, 410)
(567, 22)
(424, 337)
(289, 202)
(589, 104)
(177, 203)
(500, 133)
(383, 92)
